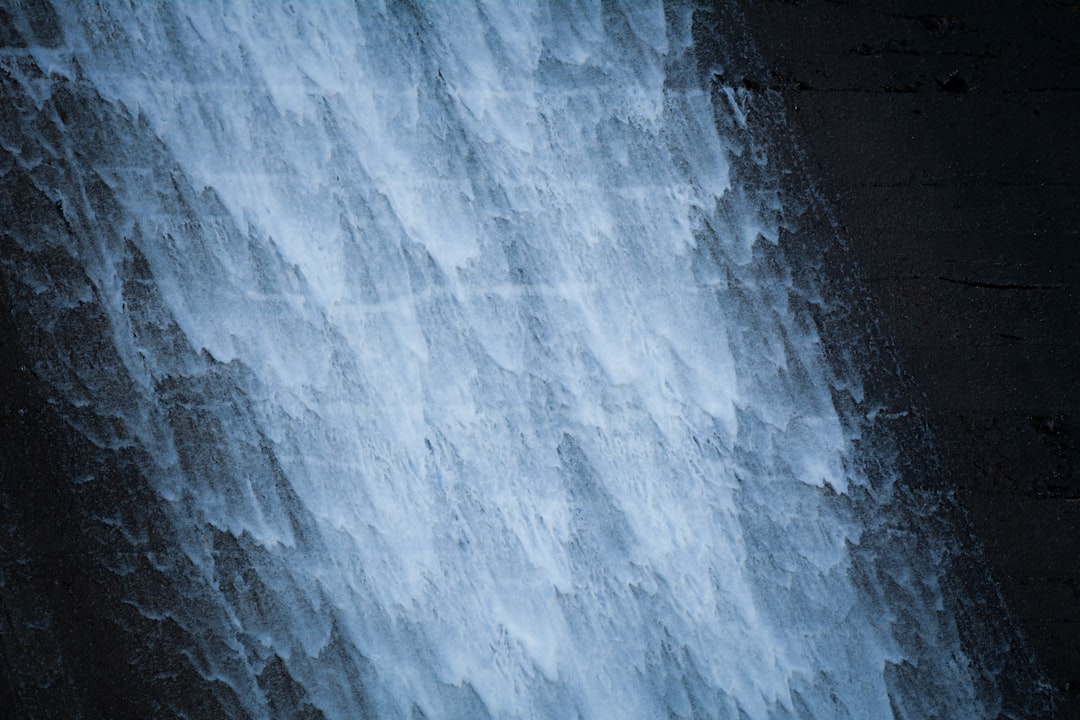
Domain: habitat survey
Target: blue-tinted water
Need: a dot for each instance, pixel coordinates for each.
(469, 373)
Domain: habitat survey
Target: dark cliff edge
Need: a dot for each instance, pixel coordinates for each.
(943, 138)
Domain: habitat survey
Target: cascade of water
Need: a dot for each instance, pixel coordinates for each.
(468, 376)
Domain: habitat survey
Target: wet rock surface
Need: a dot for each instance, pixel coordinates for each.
(943, 135)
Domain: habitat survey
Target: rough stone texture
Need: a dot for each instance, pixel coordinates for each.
(946, 137)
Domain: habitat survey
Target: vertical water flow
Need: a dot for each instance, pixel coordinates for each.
(464, 365)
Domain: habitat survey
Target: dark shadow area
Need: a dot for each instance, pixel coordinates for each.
(943, 137)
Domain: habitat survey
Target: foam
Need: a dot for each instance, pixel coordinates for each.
(491, 370)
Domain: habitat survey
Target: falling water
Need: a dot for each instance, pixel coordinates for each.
(464, 368)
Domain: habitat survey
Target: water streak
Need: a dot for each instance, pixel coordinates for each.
(469, 374)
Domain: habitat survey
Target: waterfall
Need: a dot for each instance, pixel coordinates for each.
(463, 367)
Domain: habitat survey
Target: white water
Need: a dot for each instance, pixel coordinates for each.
(473, 380)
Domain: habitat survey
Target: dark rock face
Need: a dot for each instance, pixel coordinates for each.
(944, 136)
